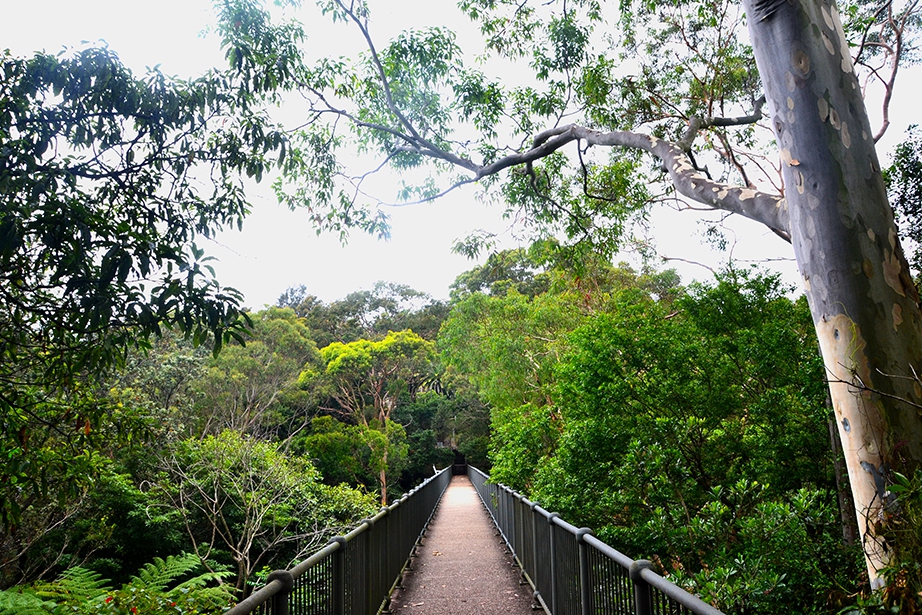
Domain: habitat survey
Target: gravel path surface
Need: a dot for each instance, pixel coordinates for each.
(463, 566)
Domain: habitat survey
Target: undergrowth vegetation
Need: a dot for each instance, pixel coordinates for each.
(172, 586)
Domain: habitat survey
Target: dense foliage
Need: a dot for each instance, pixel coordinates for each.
(106, 182)
(157, 589)
(693, 433)
(688, 426)
(251, 458)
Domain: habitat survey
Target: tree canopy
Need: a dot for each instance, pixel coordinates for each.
(107, 180)
(750, 108)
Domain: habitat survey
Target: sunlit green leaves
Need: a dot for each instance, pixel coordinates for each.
(367, 379)
(378, 367)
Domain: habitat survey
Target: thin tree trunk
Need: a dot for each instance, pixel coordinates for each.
(382, 476)
(241, 585)
(861, 295)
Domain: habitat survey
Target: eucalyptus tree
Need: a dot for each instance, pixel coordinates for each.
(611, 107)
(254, 388)
(365, 380)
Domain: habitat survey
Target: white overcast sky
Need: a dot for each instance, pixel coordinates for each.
(278, 248)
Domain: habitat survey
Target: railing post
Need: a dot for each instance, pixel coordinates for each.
(338, 597)
(384, 555)
(553, 538)
(643, 598)
(366, 564)
(534, 540)
(585, 588)
(280, 600)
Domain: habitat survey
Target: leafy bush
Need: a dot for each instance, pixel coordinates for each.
(695, 434)
(248, 502)
(902, 527)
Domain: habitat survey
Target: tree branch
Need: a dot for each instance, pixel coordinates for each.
(697, 124)
(769, 209)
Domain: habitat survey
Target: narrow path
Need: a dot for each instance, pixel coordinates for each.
(463, 566)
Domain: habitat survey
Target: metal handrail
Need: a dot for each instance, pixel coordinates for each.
(356, 573)
(571, 571)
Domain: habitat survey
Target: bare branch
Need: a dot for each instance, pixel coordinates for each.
(897, 52)
(685, 260)
(769, 209)
(697, 124)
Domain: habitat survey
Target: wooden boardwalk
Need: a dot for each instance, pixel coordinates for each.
(462, 566)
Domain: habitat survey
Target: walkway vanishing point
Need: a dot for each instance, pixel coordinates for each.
(462, 566)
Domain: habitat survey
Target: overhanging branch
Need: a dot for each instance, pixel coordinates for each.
(769, 209)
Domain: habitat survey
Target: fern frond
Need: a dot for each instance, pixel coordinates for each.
(75, 585)
(156, 575)
(23, 602)
(204, 579)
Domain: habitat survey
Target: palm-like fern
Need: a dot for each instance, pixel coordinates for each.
(156, 575)
(75, 585)
(23, 602)
(81, 589)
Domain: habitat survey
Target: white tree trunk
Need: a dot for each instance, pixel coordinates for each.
(861, 294)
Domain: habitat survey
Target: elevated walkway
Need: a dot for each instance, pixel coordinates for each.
(462, 566)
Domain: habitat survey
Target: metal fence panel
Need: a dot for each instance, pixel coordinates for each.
(543, 572)
(353, 574)
(612, 590)
(573, 572)
(566, 581)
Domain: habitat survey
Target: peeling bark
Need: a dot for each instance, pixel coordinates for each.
(857, 282)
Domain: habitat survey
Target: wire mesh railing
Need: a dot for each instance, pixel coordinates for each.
(356, 573)
(572, 571)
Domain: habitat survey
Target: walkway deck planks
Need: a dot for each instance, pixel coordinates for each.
(462, 567)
